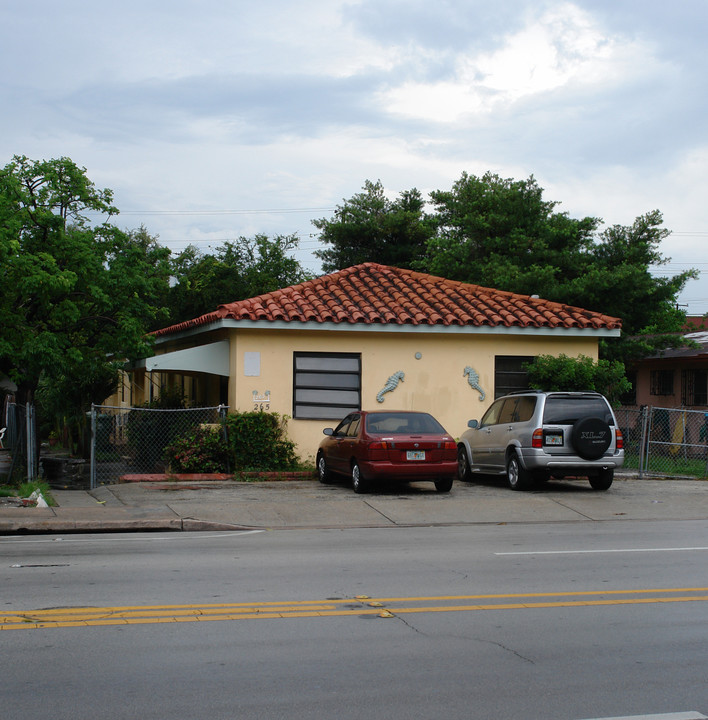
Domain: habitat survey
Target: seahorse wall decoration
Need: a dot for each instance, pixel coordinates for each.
(391, 385)
(473, 380)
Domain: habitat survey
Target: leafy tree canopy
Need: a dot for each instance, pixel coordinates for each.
(548, 372)
(235, 271)
(372, 228)
(75, 299)
(502, 233)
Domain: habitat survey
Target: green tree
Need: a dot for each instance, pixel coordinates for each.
(235, 271)
(501, 233)
(621, 284)
(75, 299)
(371, 228)
(548, 372)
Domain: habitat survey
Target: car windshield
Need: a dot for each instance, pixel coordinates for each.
(403, 423)
(566, 410)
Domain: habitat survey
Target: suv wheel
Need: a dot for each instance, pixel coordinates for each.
(591, 436)
(603, 480)
(463, 465)
(519, 479)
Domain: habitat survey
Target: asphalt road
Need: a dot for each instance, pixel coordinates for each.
(540, 621)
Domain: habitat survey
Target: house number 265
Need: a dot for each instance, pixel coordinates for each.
(261, 402)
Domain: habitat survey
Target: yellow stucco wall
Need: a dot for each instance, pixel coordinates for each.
(433, 383)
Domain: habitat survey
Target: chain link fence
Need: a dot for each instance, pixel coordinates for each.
(665, 441)
(125, 441)
(128, 441)
(18, 441)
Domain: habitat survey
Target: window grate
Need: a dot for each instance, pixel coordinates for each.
(326, 386)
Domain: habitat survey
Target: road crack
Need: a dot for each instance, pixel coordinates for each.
(507, 649)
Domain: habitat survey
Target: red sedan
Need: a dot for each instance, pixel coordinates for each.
(378, 445)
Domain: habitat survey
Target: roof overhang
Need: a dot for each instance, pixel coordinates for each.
(230, 324)
(212, 359)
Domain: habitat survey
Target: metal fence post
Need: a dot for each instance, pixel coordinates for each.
(92, 471)
(644, 440)
(30, 443)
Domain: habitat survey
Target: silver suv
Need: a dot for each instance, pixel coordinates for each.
(534, 435)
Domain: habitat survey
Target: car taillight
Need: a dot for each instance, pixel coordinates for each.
(537, 438)
(619, 439)
(377, 445)
(449, 445)
(377, 450)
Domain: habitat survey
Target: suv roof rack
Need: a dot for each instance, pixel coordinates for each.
(564, 392)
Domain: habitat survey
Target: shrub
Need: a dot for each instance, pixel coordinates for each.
(257, 441)
(202, 450)
(548, 372)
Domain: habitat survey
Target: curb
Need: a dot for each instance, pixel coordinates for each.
(56, 525)
(274, 475)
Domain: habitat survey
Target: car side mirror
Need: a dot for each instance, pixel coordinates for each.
(328, 431)
(473, 424)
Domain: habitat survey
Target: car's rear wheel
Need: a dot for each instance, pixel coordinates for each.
(518, 477)
(359, 484)
(443, 485)
(464, 472)
(603, 480)
(323, 473)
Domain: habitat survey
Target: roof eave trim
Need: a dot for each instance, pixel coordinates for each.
(387, 328)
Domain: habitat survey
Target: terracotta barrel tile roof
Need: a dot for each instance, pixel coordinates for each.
(370, 294)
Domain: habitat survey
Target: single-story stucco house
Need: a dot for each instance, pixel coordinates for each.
(366, 337)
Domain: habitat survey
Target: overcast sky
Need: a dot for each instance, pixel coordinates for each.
(213, 119)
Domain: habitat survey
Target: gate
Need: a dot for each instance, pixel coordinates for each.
(665, 441)
(134, 440)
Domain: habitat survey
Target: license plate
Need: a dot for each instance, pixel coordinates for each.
(554, 439)
(415, 455)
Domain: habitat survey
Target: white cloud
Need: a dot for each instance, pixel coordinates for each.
(563, 47)
(234, 106)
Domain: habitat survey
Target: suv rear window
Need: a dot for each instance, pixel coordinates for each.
(560, 410)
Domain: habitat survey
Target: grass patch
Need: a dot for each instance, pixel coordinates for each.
(25, 489)
(669, 465)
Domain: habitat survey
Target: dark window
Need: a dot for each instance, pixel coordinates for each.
(492, 415)
(661, 382)
(565, 410)
(509, 373)
(630, 397)
(383, 423)
(507, 412)
(353, 429)
(517, 409)
(694, 387)
(326, 386)
(525, 409)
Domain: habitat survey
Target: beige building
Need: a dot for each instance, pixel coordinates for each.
(367, 337)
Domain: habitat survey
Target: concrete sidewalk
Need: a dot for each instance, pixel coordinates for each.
(308, 504)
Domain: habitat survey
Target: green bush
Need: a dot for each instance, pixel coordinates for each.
(201, 450)
(257, 441)
(548, 372)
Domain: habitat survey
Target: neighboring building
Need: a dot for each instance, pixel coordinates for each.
(674, 378)
(365, 337)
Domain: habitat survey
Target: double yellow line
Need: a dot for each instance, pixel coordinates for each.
(357, 606)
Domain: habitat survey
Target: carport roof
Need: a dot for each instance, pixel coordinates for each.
(371, 294)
